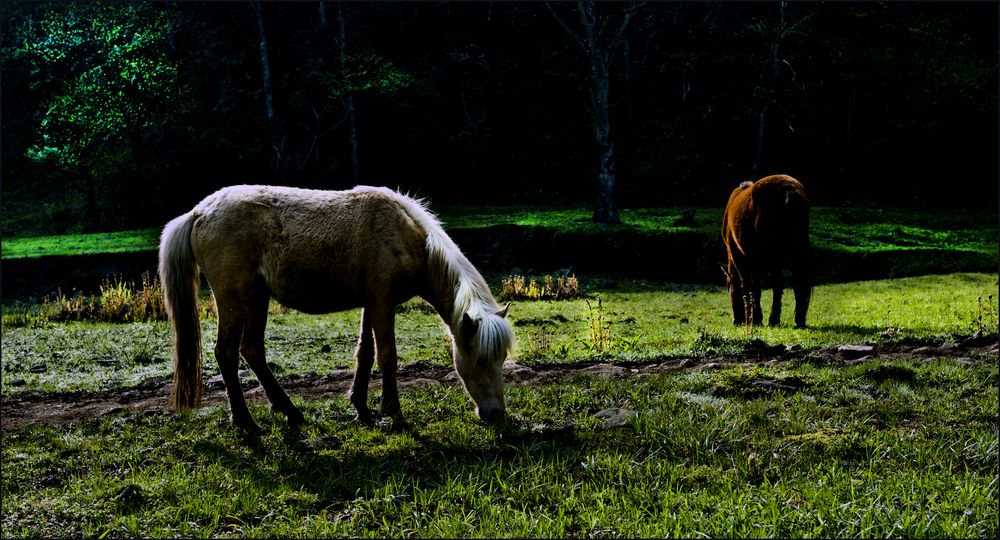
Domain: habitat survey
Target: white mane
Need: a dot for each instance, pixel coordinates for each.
(452, 272)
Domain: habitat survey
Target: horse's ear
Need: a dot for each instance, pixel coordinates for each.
(503, 312)
(470, 324)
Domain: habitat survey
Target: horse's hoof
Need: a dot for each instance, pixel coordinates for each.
(249, 428)
(366, 418)
(295, 417)
(398, 424)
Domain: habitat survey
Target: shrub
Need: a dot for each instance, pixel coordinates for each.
(119, 302)
(515, 287)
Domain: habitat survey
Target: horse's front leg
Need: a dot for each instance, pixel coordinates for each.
(384, 322)
(735, 282)
(364, 356)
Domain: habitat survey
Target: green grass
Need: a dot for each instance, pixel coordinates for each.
(850, 453)
(82, 244)
(849, 230)
(797, 448)
(646, 321)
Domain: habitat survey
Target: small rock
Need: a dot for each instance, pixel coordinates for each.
(615, 417)
(771, 385)
(852, 352)
(420, 381)
(518, 372)
(606, 370)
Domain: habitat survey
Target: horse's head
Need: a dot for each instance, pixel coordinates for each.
(480, 347)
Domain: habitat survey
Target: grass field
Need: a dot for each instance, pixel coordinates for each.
(642, 321)
(849, 230)
(887, 446)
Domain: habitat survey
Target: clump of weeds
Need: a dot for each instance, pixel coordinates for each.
(517, 287)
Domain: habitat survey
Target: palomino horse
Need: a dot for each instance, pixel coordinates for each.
(319, 252)
(766, 229)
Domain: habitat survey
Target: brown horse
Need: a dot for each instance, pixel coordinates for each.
(319, 252)
(766, 229)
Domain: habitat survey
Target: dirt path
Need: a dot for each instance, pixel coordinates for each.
(70, 408)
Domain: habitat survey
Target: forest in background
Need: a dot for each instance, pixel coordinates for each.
(122, 115)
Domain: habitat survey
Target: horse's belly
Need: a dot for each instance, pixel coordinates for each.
(313, 292)
(316, 301)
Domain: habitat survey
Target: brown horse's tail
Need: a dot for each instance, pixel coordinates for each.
(179, 277)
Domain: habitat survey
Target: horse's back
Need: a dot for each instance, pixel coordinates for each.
(316, 250)
(772, 210)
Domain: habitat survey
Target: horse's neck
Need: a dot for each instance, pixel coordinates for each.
(456, 293)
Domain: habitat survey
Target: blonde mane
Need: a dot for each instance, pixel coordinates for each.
(460, 284)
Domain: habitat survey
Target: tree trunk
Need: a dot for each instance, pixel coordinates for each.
(759, 153)
(605, 210)
(351, 114)
(268, 95)
(599, 41)
(265, 65)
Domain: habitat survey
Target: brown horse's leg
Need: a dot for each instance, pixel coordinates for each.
(364, 356)
(252, 348)
(384, 322)
(736, 294)
(802, 287)
(777, 288)
(228, 355)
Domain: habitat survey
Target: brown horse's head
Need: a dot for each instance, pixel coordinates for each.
(480, 347)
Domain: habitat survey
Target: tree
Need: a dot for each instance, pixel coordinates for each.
(108, 87)
(767, 91)
(349, 93)
(268, 92)
(600, 37)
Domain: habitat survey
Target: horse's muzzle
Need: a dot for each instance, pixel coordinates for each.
(491, 415)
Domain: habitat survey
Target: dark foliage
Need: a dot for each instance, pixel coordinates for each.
(121, 115)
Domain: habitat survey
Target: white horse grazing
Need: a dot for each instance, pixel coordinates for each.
(319, 252)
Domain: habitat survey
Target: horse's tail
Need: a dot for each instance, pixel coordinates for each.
(179, 278)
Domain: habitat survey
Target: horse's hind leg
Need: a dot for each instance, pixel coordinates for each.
(802, 286)
(777, 288)
(228, 355)
(364, 356)
(252, 348)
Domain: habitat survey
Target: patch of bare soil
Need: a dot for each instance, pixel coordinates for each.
(71, 408)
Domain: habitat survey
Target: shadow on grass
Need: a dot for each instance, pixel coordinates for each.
(339, 468)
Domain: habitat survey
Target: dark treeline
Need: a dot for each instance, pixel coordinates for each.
(124, 114)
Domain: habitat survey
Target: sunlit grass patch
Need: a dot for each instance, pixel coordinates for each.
(80, 244)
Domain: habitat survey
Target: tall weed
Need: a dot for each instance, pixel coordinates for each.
(599, 330)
